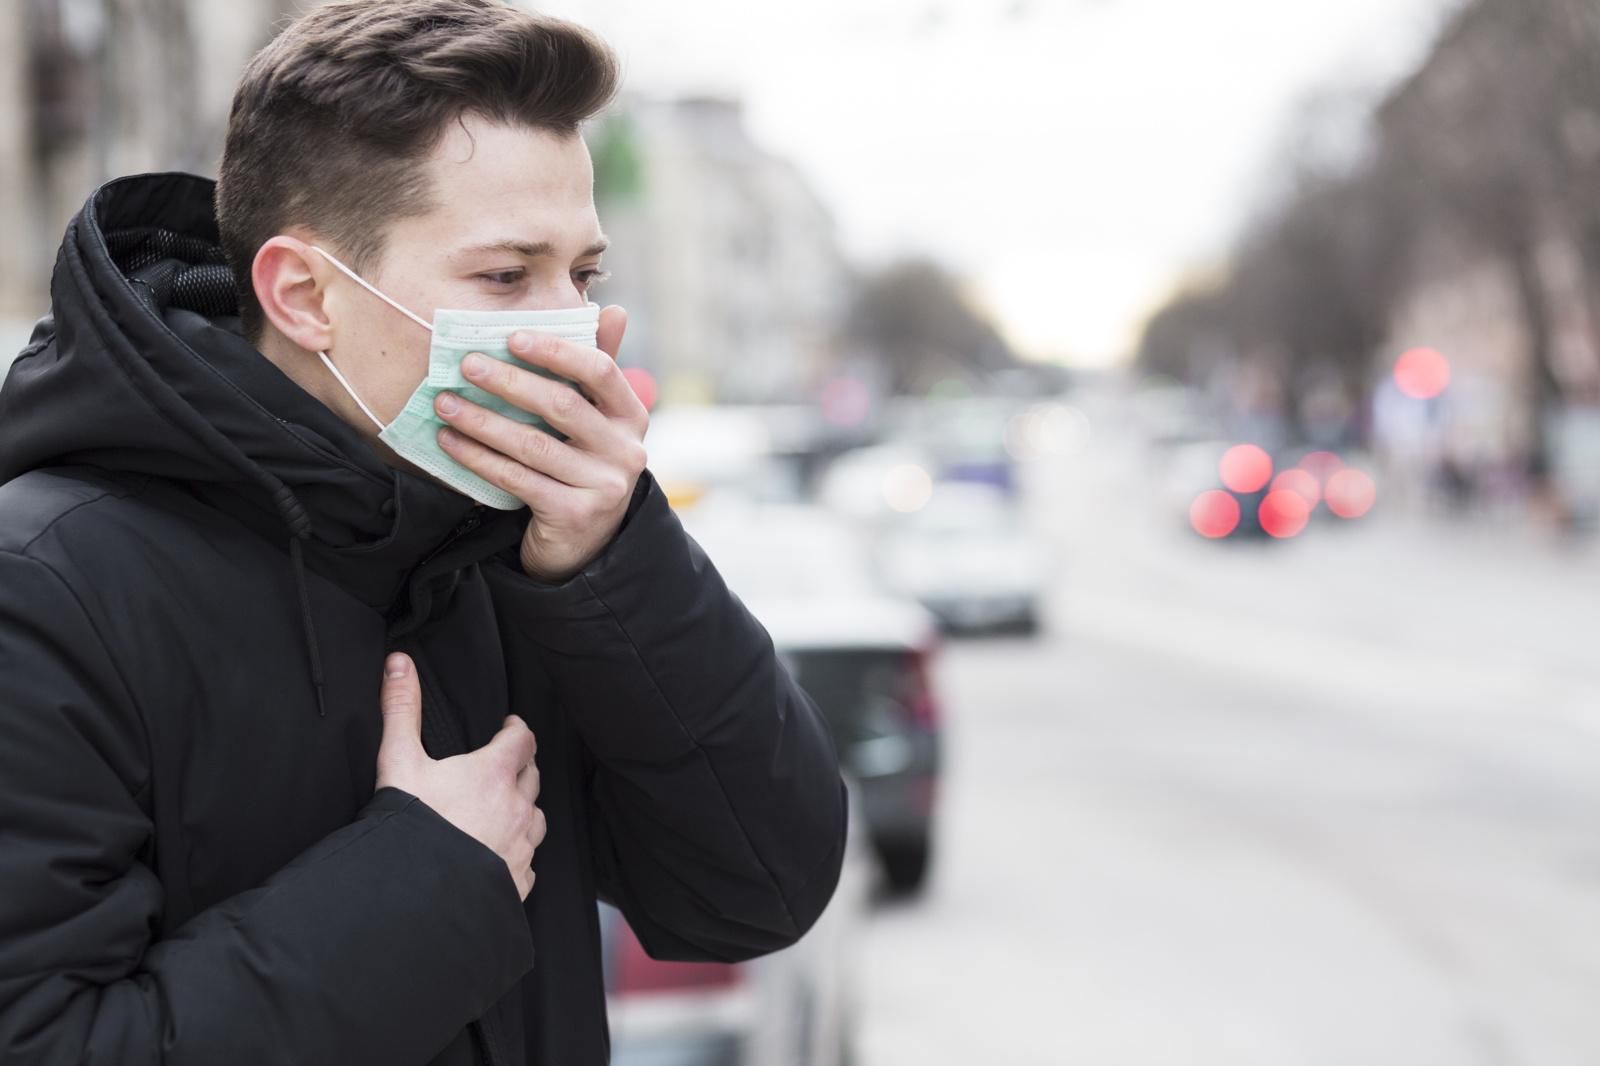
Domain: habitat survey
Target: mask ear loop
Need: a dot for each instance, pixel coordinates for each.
(365, 284)
(359, 280)
(367, 410)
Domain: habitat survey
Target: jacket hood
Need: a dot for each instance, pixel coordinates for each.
(141, 367)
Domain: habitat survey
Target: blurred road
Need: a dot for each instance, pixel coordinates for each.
(1335, 801)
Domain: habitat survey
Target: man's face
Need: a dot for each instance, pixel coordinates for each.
(513, 228)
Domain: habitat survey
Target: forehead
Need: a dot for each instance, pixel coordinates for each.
(492, 182)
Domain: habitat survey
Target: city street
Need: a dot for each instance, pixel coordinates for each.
(1333, 801)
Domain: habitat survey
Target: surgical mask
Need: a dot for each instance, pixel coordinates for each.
(414, 433)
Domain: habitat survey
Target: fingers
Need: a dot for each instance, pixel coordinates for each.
(593, 370)
(528, 782)
(514, 745)
(400, 699)
(527, 444)
(521, 862)
(560, 402)
(533, 487)
(540, 827)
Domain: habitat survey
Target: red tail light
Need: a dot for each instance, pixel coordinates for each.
(639, 974)
(919, 681)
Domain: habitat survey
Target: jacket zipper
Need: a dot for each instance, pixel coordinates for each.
(463, 527)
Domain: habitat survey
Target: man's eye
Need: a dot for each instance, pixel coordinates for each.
(503, 277)
(587, 278)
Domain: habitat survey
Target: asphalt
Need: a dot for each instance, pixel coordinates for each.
(1330, 801)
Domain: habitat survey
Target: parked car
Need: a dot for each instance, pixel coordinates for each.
(866, 658)
(795, 1007)
(967, 556)
(867, 662)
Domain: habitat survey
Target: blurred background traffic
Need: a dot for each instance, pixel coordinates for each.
(1164, 440)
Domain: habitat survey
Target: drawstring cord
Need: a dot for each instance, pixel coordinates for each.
(308, 628)
(299, 523)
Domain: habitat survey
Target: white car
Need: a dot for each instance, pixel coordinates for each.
(967, 556)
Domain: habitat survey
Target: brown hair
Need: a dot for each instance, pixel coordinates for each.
(331, 119)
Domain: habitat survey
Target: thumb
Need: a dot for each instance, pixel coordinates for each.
(401, 702)
(608, 337)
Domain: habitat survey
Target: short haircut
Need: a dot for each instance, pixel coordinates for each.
(332, 120)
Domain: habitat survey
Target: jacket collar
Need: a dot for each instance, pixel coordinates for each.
(141, 367)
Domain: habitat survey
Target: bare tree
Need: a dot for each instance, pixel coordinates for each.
(915, 319)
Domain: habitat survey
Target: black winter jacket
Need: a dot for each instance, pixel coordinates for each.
(201, 570)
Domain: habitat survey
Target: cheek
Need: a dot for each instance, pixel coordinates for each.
(397, 361)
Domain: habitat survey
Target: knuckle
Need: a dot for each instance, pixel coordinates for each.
(504, 376)
(609, 491)
(537, 444)
(394, 699)
(565, 403)
(638, 458)
(511, 765)
(514, 475)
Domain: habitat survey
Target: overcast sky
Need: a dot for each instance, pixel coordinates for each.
(1071, 158)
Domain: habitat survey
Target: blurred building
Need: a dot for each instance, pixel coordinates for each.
(97, 88)
(724, 255)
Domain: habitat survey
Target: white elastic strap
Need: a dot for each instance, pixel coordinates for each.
(375, 419)
(359, 280)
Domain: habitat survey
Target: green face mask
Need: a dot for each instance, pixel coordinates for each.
(414, 433)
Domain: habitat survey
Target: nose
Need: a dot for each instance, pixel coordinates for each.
(557, 295)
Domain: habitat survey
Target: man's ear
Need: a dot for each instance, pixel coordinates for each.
(290, 283)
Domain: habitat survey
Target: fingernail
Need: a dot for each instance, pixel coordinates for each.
(395, 666)
(474, 365)
(521, 340)
(448, 437)
(448, 403)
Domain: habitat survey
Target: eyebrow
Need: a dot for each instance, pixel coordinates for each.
(535, 250)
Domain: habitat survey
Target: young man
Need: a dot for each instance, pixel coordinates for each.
(271, 685)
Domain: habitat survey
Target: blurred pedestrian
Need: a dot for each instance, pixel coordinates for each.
(294, 679)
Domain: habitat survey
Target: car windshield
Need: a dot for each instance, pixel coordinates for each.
(859, 691)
